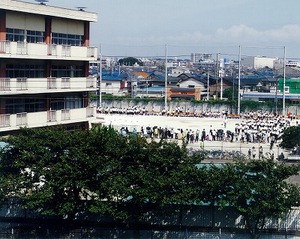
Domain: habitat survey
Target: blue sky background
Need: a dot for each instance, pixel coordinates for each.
(143, 27)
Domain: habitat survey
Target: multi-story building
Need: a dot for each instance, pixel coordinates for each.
(44, 66)
(258, 62)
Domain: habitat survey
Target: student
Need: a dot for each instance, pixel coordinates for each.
(249, 153)
(260, 152)
(253, 152)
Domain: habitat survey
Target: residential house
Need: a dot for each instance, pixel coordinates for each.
(114, 83)
(188, 87)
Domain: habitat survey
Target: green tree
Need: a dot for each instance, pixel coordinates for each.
(56, 172)
(260, 192)
(155, 174)
(231, 93)
(130, 61)
(291, 137)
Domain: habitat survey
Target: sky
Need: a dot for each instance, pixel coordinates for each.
(144, 28)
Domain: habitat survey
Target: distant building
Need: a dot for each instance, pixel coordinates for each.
(178, 71)
(257, 62)
(114, 83)
(44, 66)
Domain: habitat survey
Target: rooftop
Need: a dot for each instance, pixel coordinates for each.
(46, 10)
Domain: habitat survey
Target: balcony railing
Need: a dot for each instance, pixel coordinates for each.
(91, 52)
(90, 112)
(52, 50)
(45, 118)
(22, 84)
(22, 48)
(47, 51)
(66, 51)
(65, 83)
(91, 82)
(22, 119)
(4, 84)
(51, 83)
(51, 115)
(4, 47)
(65, 114)
(45, 85)
(5, 120)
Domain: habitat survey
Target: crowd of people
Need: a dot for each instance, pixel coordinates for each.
(254, 127)
(249, 131)
(180, 111)
(177, 111)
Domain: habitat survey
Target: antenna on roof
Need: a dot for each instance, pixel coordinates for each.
(81, 8)
(42, 2)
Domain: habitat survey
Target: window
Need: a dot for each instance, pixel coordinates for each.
(35, 36)
(17, 35)
(15, 106)
(67, 71)
(67, 39)
(28, 70)
(73, 102)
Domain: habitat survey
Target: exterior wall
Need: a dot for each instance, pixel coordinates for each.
(2, 25)
(25, 21)
(195, 107)
(258, 62)
(67, 26)
(46, 85)
(40, 84)
(86, 34)
(262, 62)
(193, 219)
(292, 84)
(44, 51)
(48, 30)
(111, 87)
(187, 83)
(47, 10)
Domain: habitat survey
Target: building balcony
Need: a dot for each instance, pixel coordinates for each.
(12, 86)
(43, 51)
(10, 122)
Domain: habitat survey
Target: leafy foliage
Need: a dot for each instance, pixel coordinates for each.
(67, 174)
(130, 61)
(291, 137)
(259, 191)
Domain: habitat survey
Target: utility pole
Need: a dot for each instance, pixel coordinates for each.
(239, 82)
(100, 77)
(166, 78)
(283, 95)
(217, 75)
(207, 85)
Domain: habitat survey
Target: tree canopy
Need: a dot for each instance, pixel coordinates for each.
(67, 174)
(291, 137)
(130, 61)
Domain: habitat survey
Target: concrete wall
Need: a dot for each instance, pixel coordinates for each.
(186, 106)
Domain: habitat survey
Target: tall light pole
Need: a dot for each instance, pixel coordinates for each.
(283, 95)
(221, 87)
(207, 85)
(217, 74)
(239, 82)
(166, 78)
(100, 77)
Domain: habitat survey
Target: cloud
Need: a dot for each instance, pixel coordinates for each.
(231, 37)
(236, 34)
(246, 34)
